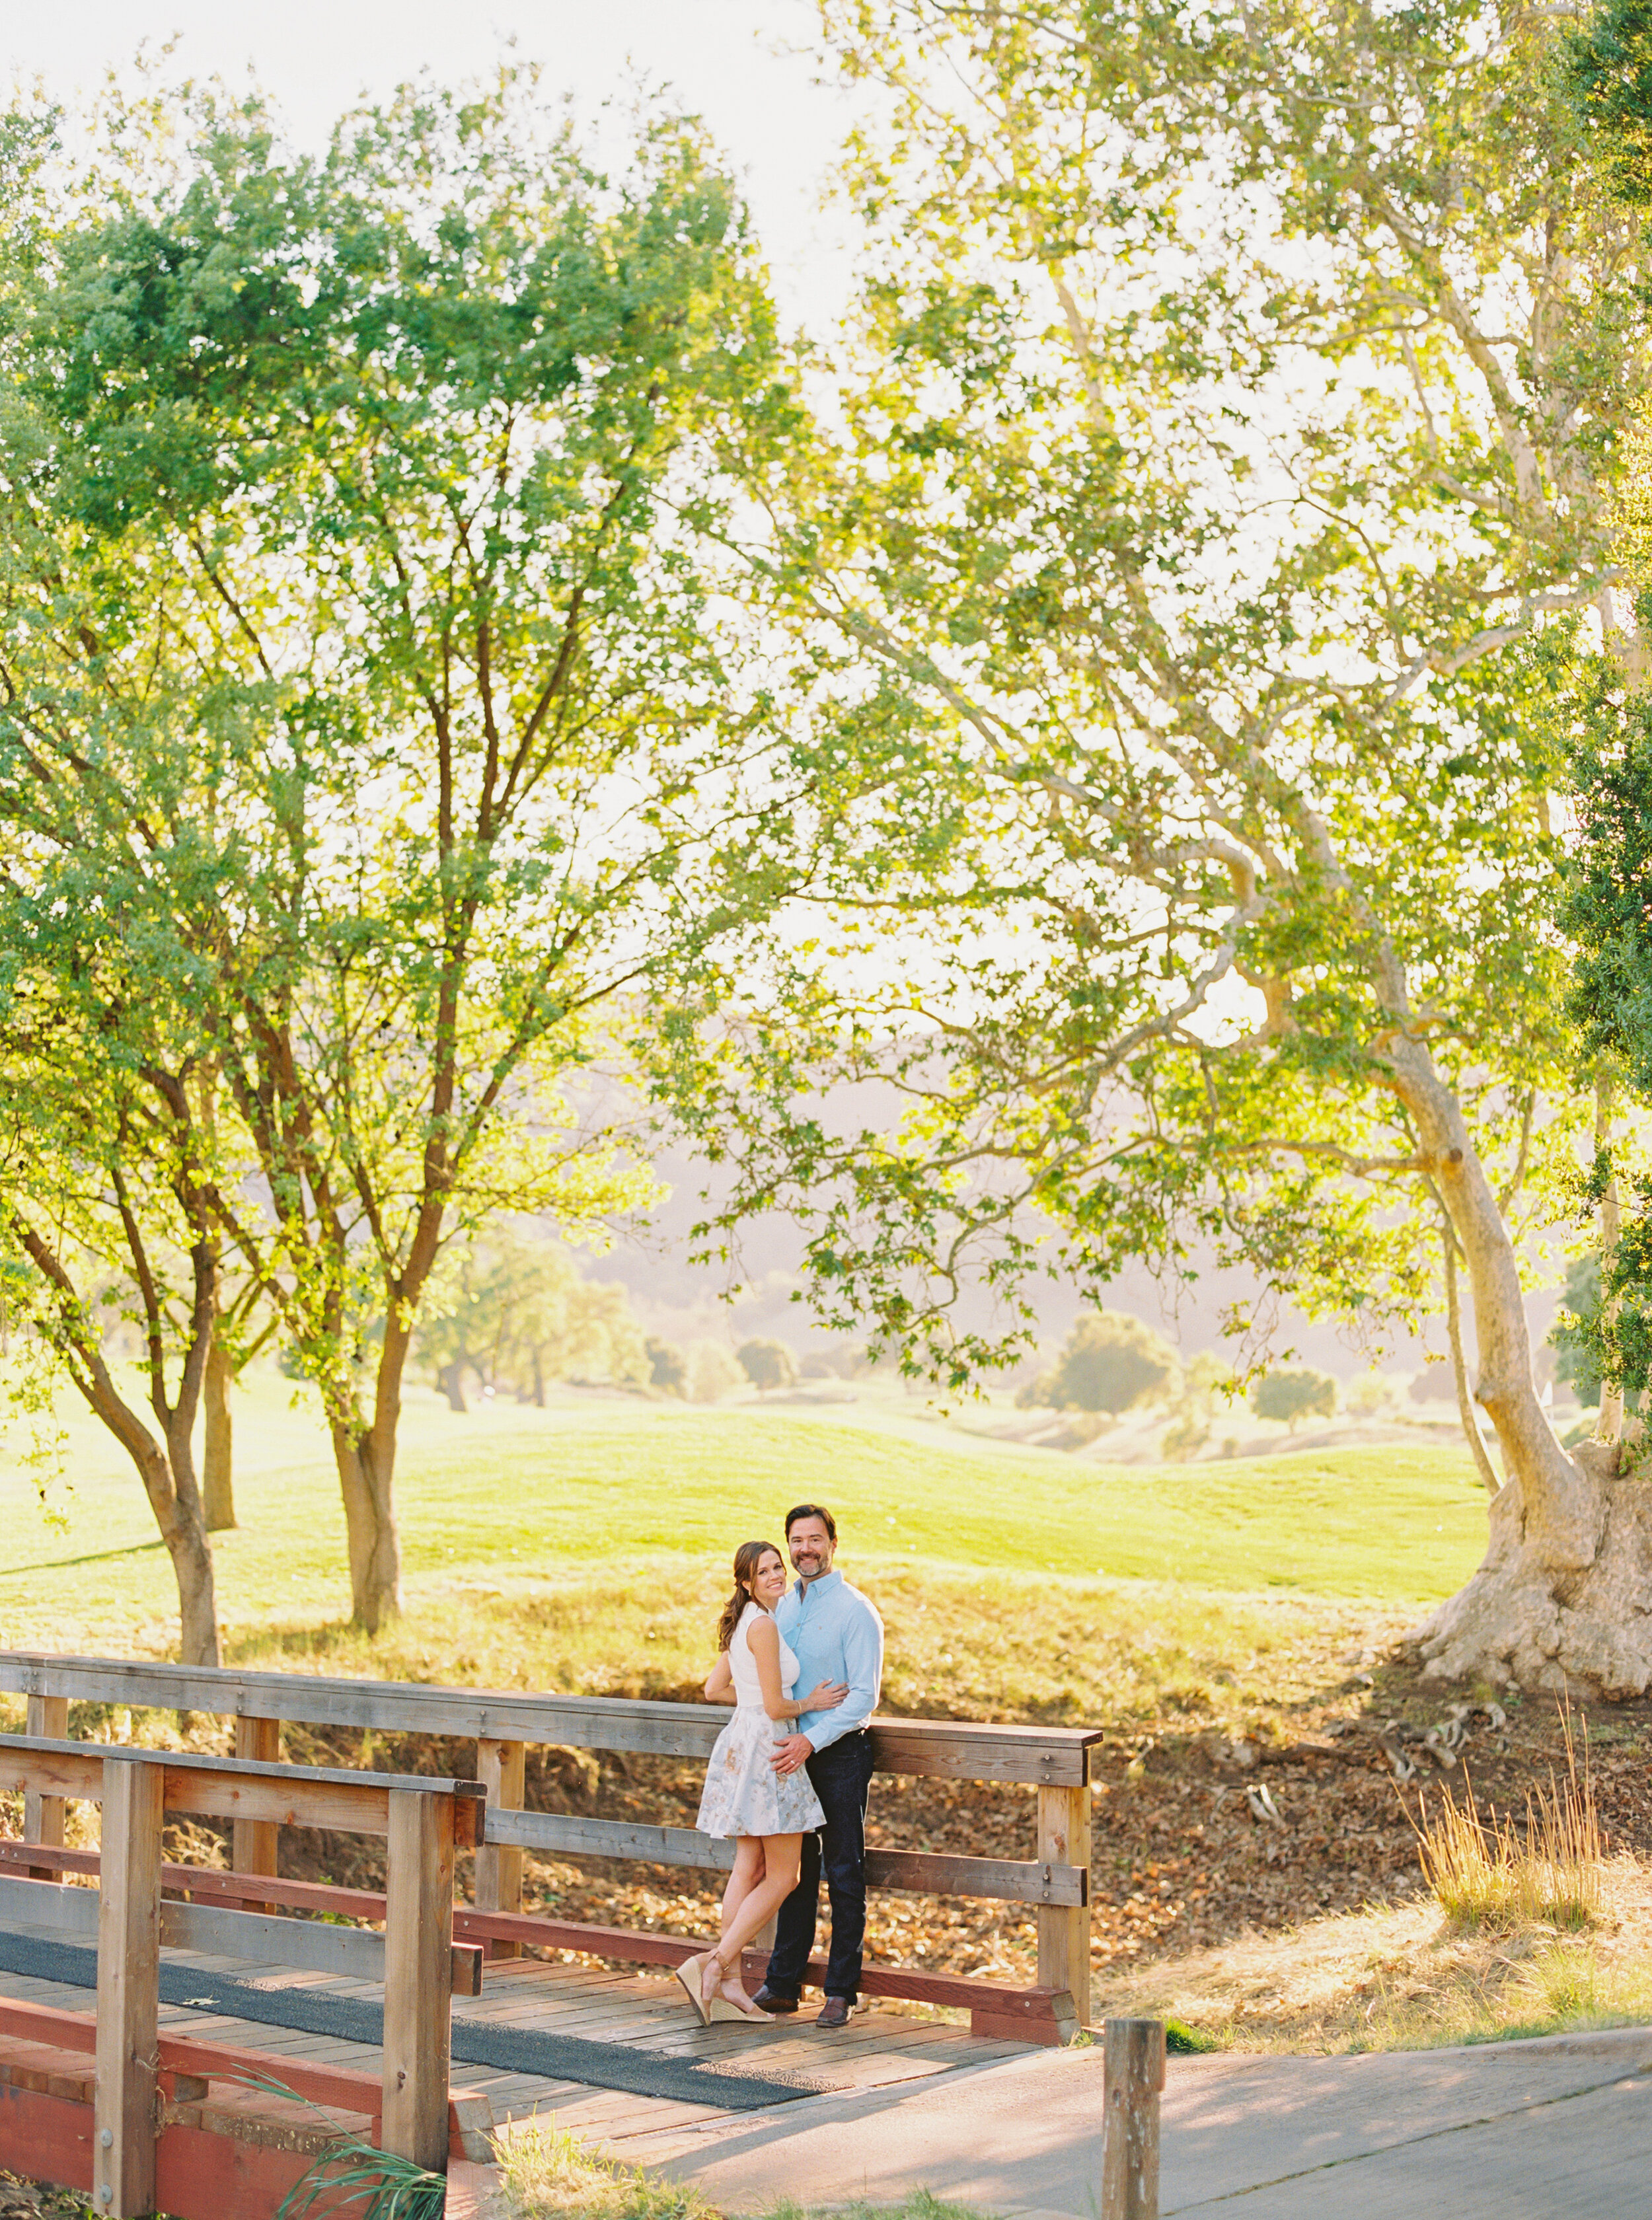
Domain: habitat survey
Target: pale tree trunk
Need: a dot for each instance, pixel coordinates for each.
(1466, 1411)
(1561, 1597)
(1610, 1425)
(217, 1447)
(452, 1381)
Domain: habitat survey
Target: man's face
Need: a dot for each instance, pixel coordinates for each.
(811, 1548)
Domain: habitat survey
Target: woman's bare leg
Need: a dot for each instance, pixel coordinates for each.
(782, 1858)
(747, 1874)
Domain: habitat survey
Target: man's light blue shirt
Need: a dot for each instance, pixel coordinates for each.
(837, 1635)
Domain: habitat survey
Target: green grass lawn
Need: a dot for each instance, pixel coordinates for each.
(519, 1496)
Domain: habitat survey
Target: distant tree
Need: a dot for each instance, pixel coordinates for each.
(767, 1364)
(1111, 1362)
(1294, 1393)
(1433, 1384)
(1369, 1395)
(668, 1367)
(1204, 1381)
(514, 1312)
(713, 1372)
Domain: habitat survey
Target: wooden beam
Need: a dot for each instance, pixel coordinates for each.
(1132, 2066)
(254, 1842)
(46, 1716)
(1064, 1929)
(234, 1788)
(501, 1769)
(186, 2056)
(1050, 1756)
(128, 1971)
(418, 1974)
(564, 1834)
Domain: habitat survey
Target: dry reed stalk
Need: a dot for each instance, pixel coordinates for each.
(1486, 1876)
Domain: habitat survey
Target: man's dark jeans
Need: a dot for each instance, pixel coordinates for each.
(842, 1774)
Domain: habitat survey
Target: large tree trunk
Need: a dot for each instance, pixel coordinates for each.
(452, 1381)
(1562, 1596)
(217, 1448)
(370, 1523)
(187, 1545)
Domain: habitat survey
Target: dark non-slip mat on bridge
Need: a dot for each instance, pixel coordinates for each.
(623, 2066)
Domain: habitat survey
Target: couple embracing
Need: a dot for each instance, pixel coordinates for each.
(790, 1774)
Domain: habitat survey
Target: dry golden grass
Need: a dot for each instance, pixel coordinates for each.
(1493, 1876)
(1408, 1976)
(549, 2174)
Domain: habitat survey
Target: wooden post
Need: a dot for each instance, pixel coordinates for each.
(43, 1815)
(418, 1975)
(252, 1842)
(1134, 2075)
(129, 1979)
(1064, 1929)
(500, 1767)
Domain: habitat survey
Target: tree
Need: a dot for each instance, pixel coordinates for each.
(1231, 402)
(668, 1368)
(518, 1312)
(1111, 1362)
(103, 1220)
(767, 1363)
(713, 1372)
(360, 517)
(1293, 1393)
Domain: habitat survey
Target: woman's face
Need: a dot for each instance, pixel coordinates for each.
(769, 1581)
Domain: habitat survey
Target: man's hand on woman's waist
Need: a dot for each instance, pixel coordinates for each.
(787, 1755)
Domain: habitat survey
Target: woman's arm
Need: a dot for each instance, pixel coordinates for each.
(765, 1639)
(721, 1681)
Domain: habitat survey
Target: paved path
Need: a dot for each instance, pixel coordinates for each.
(1555, 2129)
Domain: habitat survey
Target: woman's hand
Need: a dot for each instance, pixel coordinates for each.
(826, 1698)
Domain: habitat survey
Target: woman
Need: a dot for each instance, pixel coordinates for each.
(745, 1797)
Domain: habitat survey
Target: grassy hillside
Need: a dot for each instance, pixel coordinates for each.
(509, 1498)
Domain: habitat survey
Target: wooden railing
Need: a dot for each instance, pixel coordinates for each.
(422, 1820)
(1053, 1761)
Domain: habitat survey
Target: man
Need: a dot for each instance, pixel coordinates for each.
(838, 1636)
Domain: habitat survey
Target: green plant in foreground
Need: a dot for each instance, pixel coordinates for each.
(353, 2177)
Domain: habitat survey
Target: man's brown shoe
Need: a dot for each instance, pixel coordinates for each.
(766, 2000)
(834, 2012)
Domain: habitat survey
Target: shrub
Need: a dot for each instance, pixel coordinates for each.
(767, 1363)
(668, 1368)
(712, 1372)
(1294, 1393)
(1111, 1362)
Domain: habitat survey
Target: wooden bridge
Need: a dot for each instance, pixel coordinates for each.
(353, 2010)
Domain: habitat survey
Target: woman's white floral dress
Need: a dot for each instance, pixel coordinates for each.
(744, 1794)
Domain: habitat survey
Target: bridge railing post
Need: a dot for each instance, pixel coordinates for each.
(1064, 1929)
(254, 1843)
(418, 1975)
(43, 1815)
(501, 1768)
(1132, 2069)
(128, 1990)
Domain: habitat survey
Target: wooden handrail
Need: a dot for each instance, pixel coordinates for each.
(957, 1750)
(237, 1788)
(1053, 1761)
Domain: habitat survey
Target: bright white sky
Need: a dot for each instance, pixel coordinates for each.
(724, 58)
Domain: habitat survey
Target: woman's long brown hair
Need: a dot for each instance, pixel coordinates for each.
(747, 1558)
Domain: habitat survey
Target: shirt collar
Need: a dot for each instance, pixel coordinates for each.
(834, 1579)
